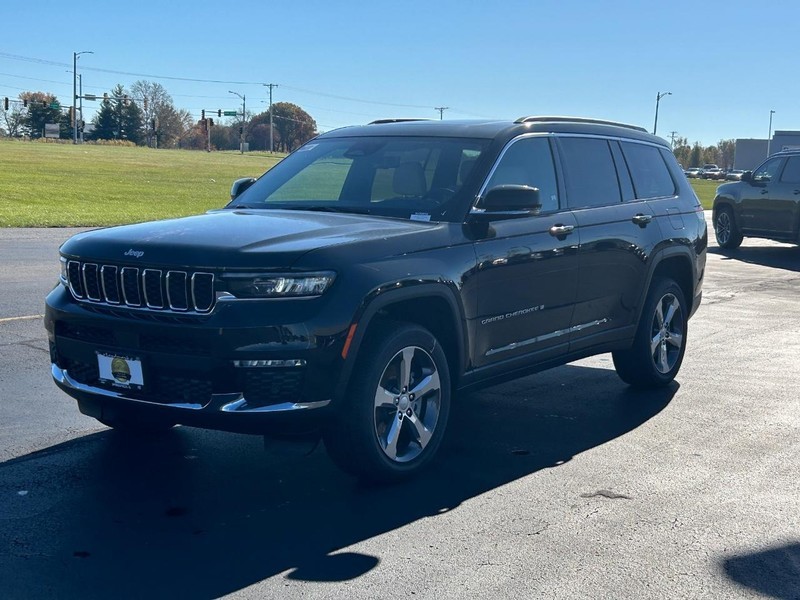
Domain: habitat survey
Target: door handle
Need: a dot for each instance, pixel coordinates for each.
(561, 230)
(642, 220)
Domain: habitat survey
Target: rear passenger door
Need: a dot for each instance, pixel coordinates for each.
(617, 232)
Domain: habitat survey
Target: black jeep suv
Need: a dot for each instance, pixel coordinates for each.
(376, 272)
(764, 204)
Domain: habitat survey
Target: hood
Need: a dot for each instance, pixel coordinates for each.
(266, 239)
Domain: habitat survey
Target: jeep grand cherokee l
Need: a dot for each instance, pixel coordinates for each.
(356, 288)
(764, 204)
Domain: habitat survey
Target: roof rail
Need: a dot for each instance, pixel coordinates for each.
(535, 119)
(398, 120)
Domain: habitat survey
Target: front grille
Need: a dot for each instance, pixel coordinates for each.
(154, 289)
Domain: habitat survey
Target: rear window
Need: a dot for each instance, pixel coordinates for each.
(649, 172)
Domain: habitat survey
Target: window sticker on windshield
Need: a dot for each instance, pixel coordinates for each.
(307, 147)
(420, 217)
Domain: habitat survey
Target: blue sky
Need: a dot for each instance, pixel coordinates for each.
(727, 64)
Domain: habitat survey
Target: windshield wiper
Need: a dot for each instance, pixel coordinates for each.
(335, 209)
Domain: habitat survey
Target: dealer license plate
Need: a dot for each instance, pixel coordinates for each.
(120, 371)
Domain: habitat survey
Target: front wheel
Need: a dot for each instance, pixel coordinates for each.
(728, 235)
(657, 351)
(393, 419)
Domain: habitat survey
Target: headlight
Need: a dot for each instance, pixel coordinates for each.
(63, 276)
(279, 285)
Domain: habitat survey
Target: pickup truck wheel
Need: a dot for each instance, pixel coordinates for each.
(393, 419)
(728, 235)
(657, 351)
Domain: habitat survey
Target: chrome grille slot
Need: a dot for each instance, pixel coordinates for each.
(75, 279)
(130, 286)
(108, 279)
(177, 297)
(91, 282)
(153, 295)
(203, 291)
(156, 289)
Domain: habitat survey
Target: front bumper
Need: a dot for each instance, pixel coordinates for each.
(238, 369)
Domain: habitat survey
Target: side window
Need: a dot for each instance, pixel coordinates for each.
(768, 170)
(529, 161)
(590, 174)
(651, 178)
(791, 173)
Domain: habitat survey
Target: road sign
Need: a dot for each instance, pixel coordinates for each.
(229, 113)
(55, 105)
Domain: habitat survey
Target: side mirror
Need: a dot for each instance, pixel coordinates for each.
(747, 176)
(241, 185)
(505, 198)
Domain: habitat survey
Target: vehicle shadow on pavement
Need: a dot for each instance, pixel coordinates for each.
(199, 514)
(777, 257)
(774, 572)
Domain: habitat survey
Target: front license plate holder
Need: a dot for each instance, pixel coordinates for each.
(120, 370)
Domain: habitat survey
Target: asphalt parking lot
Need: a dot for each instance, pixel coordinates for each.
(565, 484)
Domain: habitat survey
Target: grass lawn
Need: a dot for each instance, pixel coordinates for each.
(60, 185)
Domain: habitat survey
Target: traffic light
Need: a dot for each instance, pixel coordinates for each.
(241, 130)
(105, 96)
(5, 103)
(25, 102)
(219, 112)
(144, 102)
(153, 123)
(203, 114)
(211, 122)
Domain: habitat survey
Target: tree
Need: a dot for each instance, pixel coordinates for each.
(170, 124)
(696, 156)
(727, 152)
(682, 151)
(12, 119)
(42, 108)
(119, 118)
(293, 125)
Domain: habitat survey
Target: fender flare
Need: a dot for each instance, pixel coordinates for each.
(379, 299)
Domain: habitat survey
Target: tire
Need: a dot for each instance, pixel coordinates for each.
(393, 418)
(728, 234)
(657, 352)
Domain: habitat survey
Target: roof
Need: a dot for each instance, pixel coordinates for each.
(490, 129)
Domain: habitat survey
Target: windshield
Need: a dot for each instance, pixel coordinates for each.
(405, 177)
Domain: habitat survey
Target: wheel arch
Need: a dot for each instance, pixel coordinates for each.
(675, 263)
(433, 306)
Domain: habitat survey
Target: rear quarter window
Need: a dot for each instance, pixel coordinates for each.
(649, 172)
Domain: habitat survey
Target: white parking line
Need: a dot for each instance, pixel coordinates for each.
(26, 318)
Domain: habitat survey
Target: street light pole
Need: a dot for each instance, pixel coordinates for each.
(75, 56)
(659, 96)
(769, 135)
(241, 127)
(270, 86)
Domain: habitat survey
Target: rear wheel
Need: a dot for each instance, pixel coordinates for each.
(657, 351)
(393, 419)
(728, 235)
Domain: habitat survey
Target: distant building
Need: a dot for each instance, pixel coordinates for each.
(785, 140)
(751, 152)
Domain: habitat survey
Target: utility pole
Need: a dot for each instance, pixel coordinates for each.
(441, 110)
(769, 135)
(659, 96)
(270, 86)
(241, 127)
(80, 111)
(75, 56)
(672, 135)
